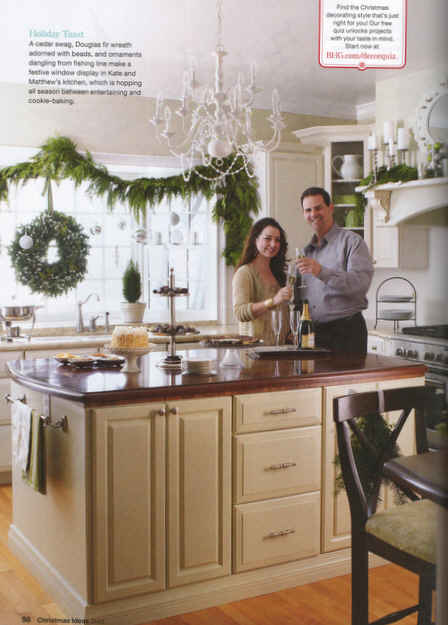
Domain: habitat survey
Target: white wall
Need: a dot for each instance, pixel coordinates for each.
(397, 99)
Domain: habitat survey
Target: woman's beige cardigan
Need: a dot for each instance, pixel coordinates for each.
(248, 288)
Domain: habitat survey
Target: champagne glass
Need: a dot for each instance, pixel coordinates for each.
(294, 322)
(276, 319)
(291, 277)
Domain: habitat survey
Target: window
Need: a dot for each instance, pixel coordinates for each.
(179, 234)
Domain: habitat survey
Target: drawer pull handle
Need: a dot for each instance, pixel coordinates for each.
(281, 411)
(280, 533)
(281, 465)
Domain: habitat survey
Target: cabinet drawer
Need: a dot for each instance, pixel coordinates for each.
(273, 411)
(4, 357)
(275, 464)
(275, 531)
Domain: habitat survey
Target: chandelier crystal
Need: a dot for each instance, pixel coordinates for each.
(216, 122)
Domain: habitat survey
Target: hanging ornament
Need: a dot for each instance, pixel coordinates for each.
(141, 236)
(96, 229)
(174, 219)
(26, 242)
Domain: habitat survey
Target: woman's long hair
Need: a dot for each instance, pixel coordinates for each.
(278, 263)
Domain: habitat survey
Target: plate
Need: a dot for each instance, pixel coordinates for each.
(394, 315)
(396, 298)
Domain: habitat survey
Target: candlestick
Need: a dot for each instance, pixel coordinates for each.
(388, 131)
(402, 138)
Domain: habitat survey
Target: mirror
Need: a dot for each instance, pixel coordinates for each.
(438, 119)
(431, 123)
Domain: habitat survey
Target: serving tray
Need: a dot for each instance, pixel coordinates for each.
(287, 351)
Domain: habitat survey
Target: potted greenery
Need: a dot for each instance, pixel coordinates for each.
(132, 310)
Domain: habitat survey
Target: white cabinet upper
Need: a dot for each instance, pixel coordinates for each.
(283, 175)
(346, 161)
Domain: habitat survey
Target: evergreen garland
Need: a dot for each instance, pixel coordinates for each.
(31, 265)
(58, 159)
(398, 173)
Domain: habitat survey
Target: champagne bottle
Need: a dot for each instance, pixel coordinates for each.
(306, 330)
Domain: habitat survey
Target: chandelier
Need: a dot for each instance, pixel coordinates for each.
(216, 122)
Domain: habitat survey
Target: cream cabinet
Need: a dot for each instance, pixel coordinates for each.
(376, 344)
(335, 509)
(336, 525)
(129, 507)
(5, 416)
(133, 535)
(277, 477)
(199, 490)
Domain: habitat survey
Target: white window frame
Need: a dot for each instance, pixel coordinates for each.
(139, 165)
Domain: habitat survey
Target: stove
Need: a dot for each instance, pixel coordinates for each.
(428, 345)
(436, 332)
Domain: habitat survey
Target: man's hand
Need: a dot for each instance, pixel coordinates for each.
(308, 265)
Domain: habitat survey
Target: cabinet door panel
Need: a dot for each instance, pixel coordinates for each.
(199, 492)
(406, 440)
(274, 464)
(129, 475)
(336, 525)
(289, 174)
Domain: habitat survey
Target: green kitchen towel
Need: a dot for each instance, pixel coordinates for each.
(35, 474)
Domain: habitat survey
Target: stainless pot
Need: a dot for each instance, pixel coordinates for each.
(17, 313)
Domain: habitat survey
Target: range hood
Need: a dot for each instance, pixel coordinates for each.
(396, 202)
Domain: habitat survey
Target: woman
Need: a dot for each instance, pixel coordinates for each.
(259, 281)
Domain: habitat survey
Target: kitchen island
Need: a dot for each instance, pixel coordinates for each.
(169, 492)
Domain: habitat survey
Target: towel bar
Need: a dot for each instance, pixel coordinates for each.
(60, 423)
(7, 397)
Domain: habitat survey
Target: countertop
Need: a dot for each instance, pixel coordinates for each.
(101, 387)
(66, 341)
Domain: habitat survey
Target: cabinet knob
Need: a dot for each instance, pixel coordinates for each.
(174, 410)
(161, 412)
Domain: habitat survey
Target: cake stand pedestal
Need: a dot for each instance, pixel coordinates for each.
(173, 361)
(130, 355)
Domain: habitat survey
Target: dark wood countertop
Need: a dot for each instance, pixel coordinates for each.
(102, 387)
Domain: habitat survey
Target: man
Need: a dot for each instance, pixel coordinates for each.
(337, 270)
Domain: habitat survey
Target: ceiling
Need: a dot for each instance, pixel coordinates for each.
(279, 36)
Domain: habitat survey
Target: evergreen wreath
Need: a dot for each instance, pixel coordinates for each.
(31, 266)
(237, 197)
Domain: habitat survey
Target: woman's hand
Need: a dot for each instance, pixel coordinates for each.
(282, 295)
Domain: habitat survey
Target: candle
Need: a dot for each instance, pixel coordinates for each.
(403, 138)
(388, 131)
(391, 147)
(371, 142)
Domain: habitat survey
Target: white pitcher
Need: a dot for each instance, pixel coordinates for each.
(351, 166)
